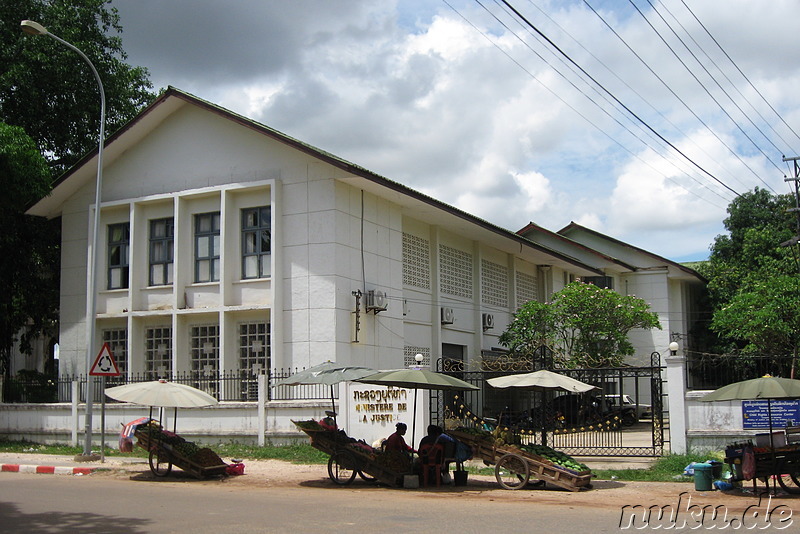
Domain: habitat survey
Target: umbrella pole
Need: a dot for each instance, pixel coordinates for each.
(414, 420)
(333, 408)
(175, 421)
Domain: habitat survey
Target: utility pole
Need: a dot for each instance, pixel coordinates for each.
(794, 241)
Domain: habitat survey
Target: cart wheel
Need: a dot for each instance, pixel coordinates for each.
(790, 482)
(160, 463)
(512, 472)
(366, 477)
(342, 468)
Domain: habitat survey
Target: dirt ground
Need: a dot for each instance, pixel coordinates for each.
(265, 474)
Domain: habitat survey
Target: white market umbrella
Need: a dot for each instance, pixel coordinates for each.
(162, 394)
(541, 380)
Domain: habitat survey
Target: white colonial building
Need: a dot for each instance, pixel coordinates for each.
(227, 245)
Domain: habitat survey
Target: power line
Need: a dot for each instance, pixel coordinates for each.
(742, 73)
(626, 108)
(584, 117)
(685, 66)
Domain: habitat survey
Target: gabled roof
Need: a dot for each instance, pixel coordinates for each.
(173, 98)
(575, 227)
(532, 227)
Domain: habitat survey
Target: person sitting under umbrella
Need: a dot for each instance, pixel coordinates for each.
(396, 442)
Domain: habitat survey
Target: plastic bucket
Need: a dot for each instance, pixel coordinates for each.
(459, 478)
(702, 477)
(716, 469)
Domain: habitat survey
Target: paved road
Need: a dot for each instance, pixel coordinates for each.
(39, 504)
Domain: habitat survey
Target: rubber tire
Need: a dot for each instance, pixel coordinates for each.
(160, 467)
(512, 472)
(794, 487)
(342, 468)
(629, 419)
(366, 477)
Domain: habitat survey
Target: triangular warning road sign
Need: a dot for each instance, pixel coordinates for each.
(105, 364)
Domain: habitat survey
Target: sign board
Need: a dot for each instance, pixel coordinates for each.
(370, 412)
(105, 364)
(755, 413)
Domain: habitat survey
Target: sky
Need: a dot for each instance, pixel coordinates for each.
(596, 111)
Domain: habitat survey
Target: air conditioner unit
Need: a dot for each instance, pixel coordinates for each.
(488, 321)
(448, 316)
(376, 301)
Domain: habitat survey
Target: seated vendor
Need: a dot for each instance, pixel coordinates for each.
(396, 442)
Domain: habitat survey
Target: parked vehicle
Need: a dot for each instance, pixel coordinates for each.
(642, 411)
(587, 409)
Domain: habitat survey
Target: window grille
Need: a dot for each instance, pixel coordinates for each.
(204, 340)
(455, 272)
(158, 352)
(410, 352)
(416, 261)
(527, 288)
(117, 339)
(494, 284)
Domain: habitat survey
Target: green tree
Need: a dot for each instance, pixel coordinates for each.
(584, 325)
(746, 267)
(28, 245)
(48, 90)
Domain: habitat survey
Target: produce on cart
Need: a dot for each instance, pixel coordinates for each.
(516, 464)
(350, 457)
(168, 449)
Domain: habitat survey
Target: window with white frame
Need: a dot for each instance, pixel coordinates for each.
(158, 352)
(118, 245)
(162, 244)
(256, 242)
(117, 339)
(206, 247)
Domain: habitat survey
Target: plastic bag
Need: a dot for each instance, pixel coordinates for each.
(748, 464)
(235, 469)
(688, 471)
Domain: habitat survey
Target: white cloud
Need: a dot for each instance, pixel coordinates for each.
(410, 90)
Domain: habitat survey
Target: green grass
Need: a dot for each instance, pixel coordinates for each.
(668, 468)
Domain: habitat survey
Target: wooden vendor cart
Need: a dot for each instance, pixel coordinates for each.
(172, 450)
(349, 458)
(781, 465)
(514, 467)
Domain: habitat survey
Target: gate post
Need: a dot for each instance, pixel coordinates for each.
(676, 397)
(75, 394)
(262, 408)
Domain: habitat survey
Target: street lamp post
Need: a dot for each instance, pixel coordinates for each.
(34, 28)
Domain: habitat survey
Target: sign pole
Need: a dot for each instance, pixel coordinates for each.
(103, 420)
(104, 365)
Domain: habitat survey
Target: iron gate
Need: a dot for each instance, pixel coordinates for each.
(592, 424)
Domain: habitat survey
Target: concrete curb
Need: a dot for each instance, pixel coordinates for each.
(46, 469)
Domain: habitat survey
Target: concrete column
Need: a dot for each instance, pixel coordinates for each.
(676, 393)
(75, 390)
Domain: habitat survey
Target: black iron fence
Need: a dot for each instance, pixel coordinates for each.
(712, 371)
(230, 386)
